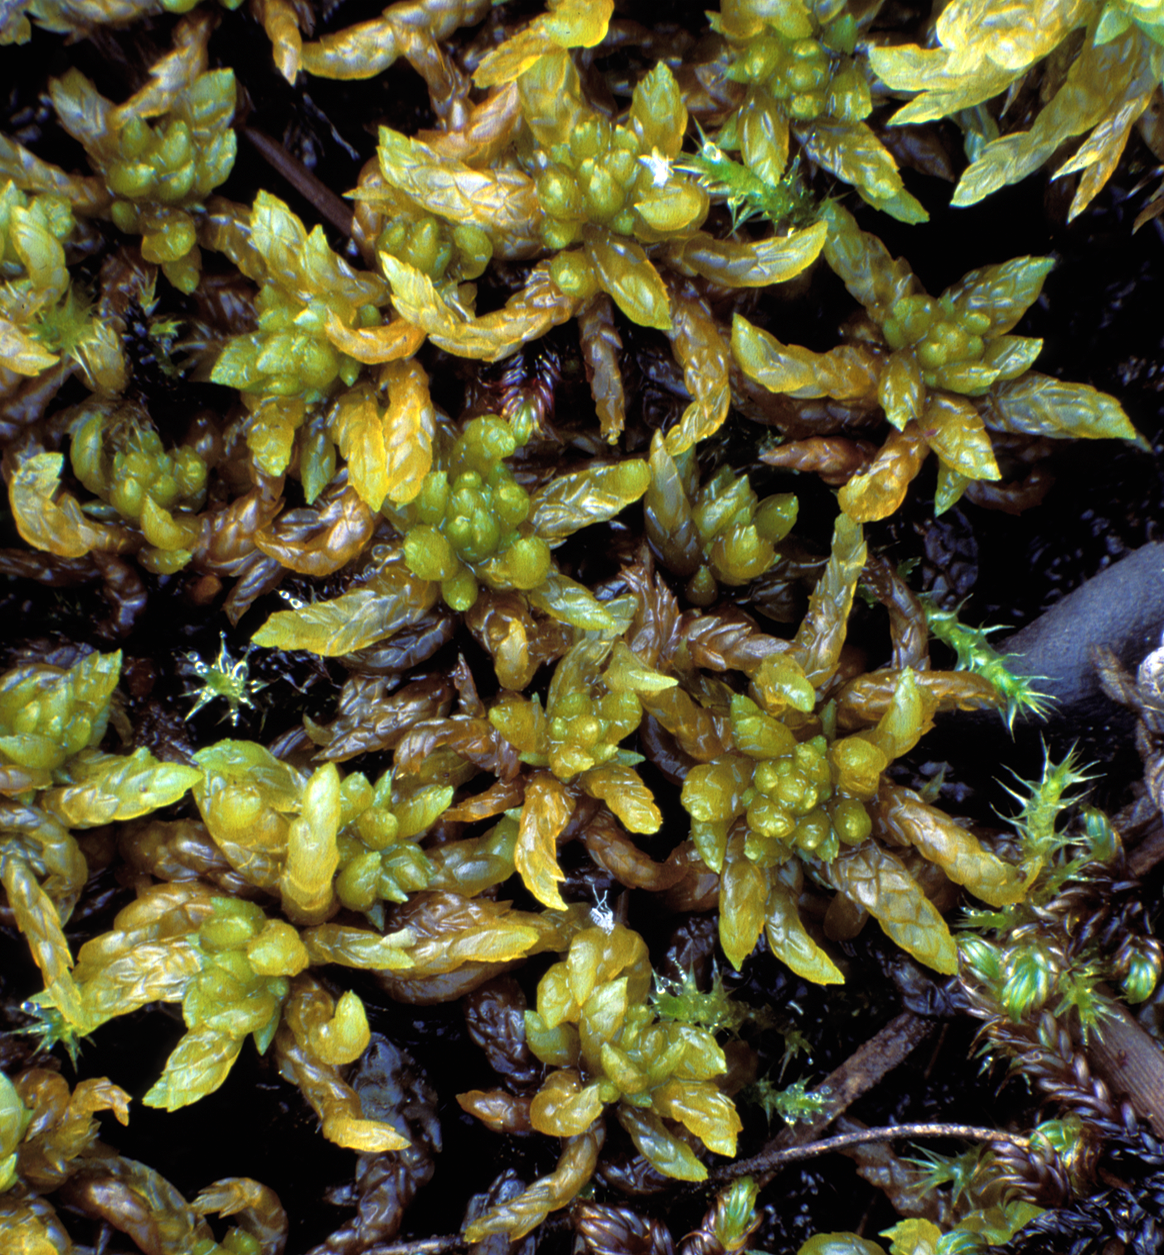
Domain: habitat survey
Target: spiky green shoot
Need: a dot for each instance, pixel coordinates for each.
(226, 678)
(794, 1104)
(976, 654)
(746, 193)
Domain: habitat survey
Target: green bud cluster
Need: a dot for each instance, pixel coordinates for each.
(48, 714)
(595, 1025)
(158, 170)
(468, 521)
(620, 177)
(32, 231)
(228, 995)
(716, 533)
(304, 286)
(790, 793)
(379, 858)
(944, 338)
(121, 460)
(794, 805)
(738, 531)
(437, 248)
(584, 730)
(289, 355)
(795, 71)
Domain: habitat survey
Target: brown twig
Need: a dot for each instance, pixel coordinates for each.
(426, 1246)
(1148, 853)
(767, 1162)
(329, 205)
(863, 1069)
(1130, 1061)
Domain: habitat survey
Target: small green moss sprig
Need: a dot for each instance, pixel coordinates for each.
(976, 654)
(748, 194)
(717, 1009)
(226, 679)
(794, 1103)
(1054, 949)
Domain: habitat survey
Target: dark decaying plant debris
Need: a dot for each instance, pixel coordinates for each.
(582, 652)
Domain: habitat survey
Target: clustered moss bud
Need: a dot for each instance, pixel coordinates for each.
(467, 521)
(620, 177)
(435, 248)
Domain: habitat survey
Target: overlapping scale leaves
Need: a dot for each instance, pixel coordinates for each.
(536, 643)
(1113, 54)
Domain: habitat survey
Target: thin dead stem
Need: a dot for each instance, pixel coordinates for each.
(767, 1161)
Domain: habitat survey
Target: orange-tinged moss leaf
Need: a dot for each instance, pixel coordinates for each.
(526, 316)
(368, 48)
(564, 1107)
(791, 942)
(623, 791)
(358, 947)
(88, 194)
(375, 345)
(1002, 293)
(409, 429)
(197, 1066)
(628, 276)
(1039, 405)
(46, 518)
(394, 598)
(848, 372)
(568, 601)
(928, 71)
(879, 491)
(557, 1002)
(1012, 36)
(544, 814)
(763, 132)
(757, 264)
(503, 203)
(578, 23)
(558, 1046)
(705, 1110)
(875, 880)
(602, 1019)
(909, 716)
(572, 24)
(1098, 74)
(112, 786)
(596, 957)
(853, 153)
(700, 349)
(524, 1213)
(904, 816)
(817, 647)
(1100, 155)
(864, 265)
(568, 503)
(282, 27)
(866, 698)
(743, 888)
(952, 427)
(670, 1154)
(38, 919)
(312, 854)
(358, 430)
(19, 352)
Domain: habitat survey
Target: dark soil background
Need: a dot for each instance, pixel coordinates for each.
(1100, 316)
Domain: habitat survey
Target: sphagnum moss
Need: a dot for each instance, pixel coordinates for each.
(664, 201)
